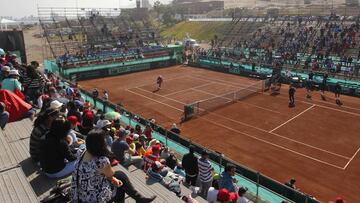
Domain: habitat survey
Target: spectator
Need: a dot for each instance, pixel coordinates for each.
(56, 160)
(138, 130)
(241, 193)
(155, 172)
(87, 123)
(175, 129)
(73, 110)
(152, 156)
(4, 72)
(226, 180)
(147, 132)
(12, 81)
(291, 183)
(205, 173)
(90, 180)
(41, 125)
(179, 170)
(106, 95)
(105, 125)
(212, 194)
(95, 95)
(190, 165)
(74, 141)
(171, 161)
(123, 152)
(33, 81)
(223, 196)
(4, 116)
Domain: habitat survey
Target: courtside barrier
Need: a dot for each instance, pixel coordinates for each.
(260, 186)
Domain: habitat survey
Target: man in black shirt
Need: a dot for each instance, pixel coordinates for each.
(291, 96)
(324, 86)
(337, 93)
(190, 165)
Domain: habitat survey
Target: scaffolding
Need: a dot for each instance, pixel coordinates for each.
(77, 31)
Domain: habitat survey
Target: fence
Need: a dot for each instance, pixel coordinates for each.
(262, 187)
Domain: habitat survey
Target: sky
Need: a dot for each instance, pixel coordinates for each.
(20, 8)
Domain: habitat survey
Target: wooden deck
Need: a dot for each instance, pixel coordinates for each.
(21, 180)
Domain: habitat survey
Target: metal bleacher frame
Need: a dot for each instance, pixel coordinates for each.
(70, 30)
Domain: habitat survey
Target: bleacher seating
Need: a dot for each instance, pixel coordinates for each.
(22, 181)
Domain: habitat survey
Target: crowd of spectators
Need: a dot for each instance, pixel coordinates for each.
(310, 45)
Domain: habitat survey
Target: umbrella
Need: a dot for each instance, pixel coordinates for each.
(112, 115)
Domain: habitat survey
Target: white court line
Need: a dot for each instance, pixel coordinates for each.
(275, 145)
(232, 83)
(286, 138)
(281, 147)
(331, 108)
(351, 158)
(251, 126)
(154, 100)
(343, 106)
(204, 85)
(292, 118)
(240, 101)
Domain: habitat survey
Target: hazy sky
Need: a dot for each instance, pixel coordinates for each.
(19, 8)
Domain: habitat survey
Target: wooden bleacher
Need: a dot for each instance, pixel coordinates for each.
(21, 180)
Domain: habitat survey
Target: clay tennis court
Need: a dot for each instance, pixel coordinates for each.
(316, 142)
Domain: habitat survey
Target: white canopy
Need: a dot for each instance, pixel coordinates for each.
(5, 22)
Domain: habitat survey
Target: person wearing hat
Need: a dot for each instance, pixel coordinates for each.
(223, 196)
(73, 139)
(4, 72)
(106, 126)
(151, 156)
(205, 173)
(87, 122)
(12, 83)
(241, 193)
(175, 129)
(122, 151)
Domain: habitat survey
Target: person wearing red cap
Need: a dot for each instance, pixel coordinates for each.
(74, 141)
(234, 197)
(152, 156)
(224, 196)
(87, 123)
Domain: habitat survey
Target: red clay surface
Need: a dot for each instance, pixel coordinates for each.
(316, 142)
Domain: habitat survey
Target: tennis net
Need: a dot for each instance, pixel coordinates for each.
(210, 104)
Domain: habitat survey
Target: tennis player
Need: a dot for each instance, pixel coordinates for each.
(292, 91)
(159, 82)
(337, 93)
